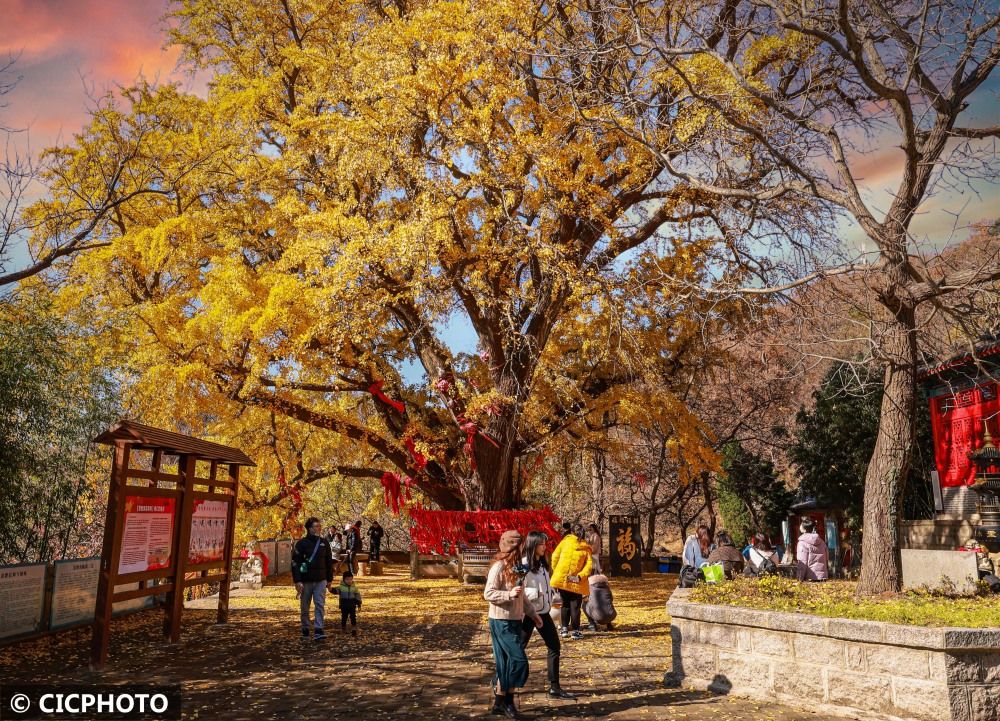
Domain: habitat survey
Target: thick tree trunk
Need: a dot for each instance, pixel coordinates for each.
(497, 489)
(889, 465)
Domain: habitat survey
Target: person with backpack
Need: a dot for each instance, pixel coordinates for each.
(762, 560)
(312, 573)
(697, 548)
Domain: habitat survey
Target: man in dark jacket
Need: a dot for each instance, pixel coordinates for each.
(312, 571)
(353, 543)
(375, 533)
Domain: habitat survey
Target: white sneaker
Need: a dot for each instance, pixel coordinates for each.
(563, 632)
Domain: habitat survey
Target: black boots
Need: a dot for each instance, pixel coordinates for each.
(509, 710)
(498, 703)
(555, 690)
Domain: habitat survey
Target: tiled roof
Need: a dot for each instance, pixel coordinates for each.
(150, 438)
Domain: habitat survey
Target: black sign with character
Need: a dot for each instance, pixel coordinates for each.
(625, 546)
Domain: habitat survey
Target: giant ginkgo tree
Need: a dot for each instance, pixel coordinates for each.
(360, 176)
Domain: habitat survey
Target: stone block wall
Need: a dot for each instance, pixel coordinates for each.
(862, 669)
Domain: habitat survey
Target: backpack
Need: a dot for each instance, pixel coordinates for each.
(767, 567)
(689, 577)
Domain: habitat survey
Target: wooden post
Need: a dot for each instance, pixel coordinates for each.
(223, 612)
(110, 556)
(182, 543)
(414, 563)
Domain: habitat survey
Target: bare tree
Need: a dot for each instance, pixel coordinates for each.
(61, 225)
(788, 100)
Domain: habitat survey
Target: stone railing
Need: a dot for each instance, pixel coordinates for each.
(854, 668)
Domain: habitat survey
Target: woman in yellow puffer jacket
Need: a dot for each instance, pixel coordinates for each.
(571, 566)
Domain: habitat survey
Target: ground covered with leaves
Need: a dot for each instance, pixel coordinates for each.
(422, 652)
(838, 599)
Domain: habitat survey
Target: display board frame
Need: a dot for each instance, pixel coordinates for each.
(55, 581)
(183, 487)
(40, 623)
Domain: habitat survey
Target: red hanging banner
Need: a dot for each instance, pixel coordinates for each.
(957, 425)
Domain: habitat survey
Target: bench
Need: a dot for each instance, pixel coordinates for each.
(476, 562)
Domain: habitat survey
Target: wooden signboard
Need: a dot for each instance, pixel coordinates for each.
(623, 543)
(164, 530)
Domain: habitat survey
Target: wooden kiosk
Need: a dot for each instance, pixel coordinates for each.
(174, 528)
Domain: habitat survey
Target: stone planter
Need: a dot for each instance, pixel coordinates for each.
(853, 668)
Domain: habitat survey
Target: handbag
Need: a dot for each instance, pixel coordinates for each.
(714, 573)
(304, 566)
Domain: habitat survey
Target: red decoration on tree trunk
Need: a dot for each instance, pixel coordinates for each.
(471, 429)
(376, 390)
(432, 529)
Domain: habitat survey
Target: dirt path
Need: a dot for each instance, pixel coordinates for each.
(422, 653)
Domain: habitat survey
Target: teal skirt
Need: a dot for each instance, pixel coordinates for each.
(508, 653)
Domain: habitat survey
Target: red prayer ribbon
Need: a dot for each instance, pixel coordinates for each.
(394, 488)
(432, 529)
(419, 460)
(376, 390)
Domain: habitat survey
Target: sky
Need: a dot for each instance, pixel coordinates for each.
(71, 51)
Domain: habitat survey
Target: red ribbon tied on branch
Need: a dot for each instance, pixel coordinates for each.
(471, 429)
(394, 488)
(376, 390)
(419, 460)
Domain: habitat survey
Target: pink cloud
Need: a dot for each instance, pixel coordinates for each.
(68, 51)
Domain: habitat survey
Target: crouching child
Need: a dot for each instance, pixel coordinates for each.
(600, 606)
(350, 601)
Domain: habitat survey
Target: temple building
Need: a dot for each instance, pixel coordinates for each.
(963, 397)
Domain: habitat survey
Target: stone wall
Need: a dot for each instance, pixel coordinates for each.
(944, 533)
(854, 668)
